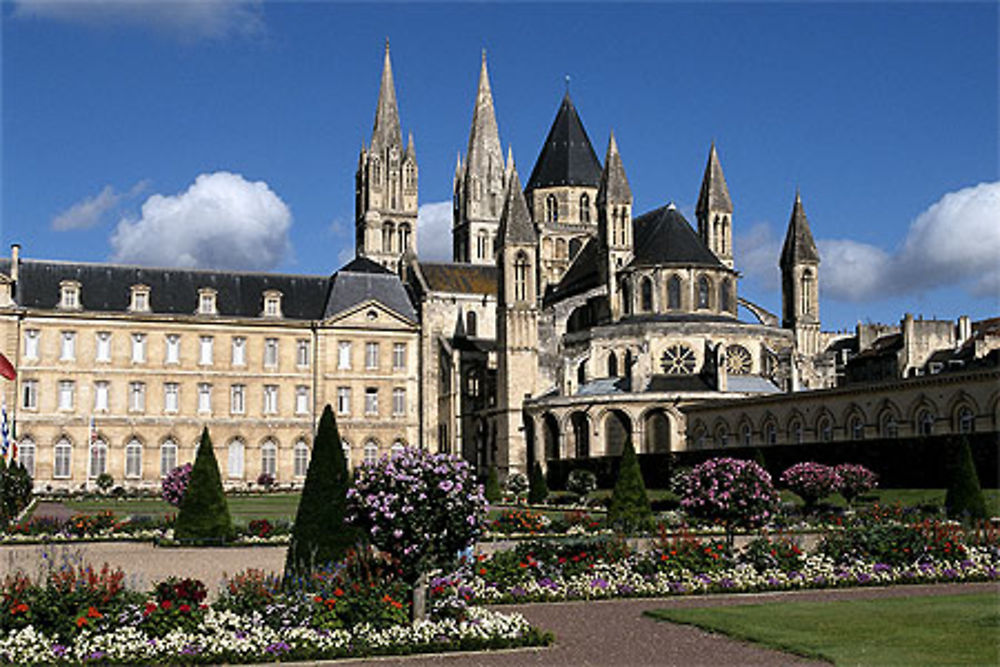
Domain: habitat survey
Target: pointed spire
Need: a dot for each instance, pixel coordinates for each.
(510, 165)
(410, 150)
(386, 132)
(614, 187)
(714, 195)
(515, 223)
(458, 164)
(799, 244)
(484, 137)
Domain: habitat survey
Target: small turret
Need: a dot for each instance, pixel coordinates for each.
(800, 281)
(614, 223)
(715, 210)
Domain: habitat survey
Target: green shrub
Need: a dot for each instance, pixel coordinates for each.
(493, 492)
(538, 490)
(104, 482)
(204, 513)
(629, 508)
(321, 536)
(582, 483)
(965, 497)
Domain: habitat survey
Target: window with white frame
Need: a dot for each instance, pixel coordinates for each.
(137, 396)
(98, 459)
(301, 459)
(140, 299)
(371, 453)
(69, 295)
(103, 351)
(235, 459)
(62, 459)
(173, 350)
(67, 347)
(206, 348)
(133, 459)
(29, 394)
(26, 455)
(301, 399)
(239, 351)
(272, 303)
(168, 457)
(269, 459)
(237, 399)
(371, 356)
(344, 355)
(101, 396)
(138, 348)
(371, 401)
(206, 301)
(31, 338)
(343, 400)
(171, 397)
(66, 391)
(270, 399)
(399, 356)
(398, 402)
(270, 352)
(302, 352)
(204, 397)
(397, 449)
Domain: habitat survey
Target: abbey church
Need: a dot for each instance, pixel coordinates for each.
(566, 325)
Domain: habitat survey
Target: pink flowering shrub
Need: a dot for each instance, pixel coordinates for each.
(811, 481)
(734, 492)
(175, 484)
(421, 508)
(855, 479)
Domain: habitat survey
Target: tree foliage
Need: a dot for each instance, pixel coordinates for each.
(965, 497)
(204, 513)
(538, 489)
(493, 491)
(630, 507)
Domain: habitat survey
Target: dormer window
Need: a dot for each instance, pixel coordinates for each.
(272, 303)
(69, 295)
(206, 301)
(140, 299)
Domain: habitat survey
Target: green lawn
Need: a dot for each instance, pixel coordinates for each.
(954, 630)
(243, 508)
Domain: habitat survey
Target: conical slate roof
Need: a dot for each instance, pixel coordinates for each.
(614, 186)
(714, 195)
(799, 245)
(567, 157)
(386, 132)
(663, 236)
(515, 223)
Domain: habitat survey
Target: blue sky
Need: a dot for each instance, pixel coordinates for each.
(150, 132)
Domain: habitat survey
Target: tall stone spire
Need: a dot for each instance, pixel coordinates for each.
(800, 282)
(387, 131)
(614, 224)
(614, 187)
(516, 227)
(799, 244)
(715, 210)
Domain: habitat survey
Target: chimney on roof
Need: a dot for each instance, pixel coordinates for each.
(964, 330)
(15, 260)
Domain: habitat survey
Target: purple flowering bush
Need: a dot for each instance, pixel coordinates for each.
(176, 483)
(421, 508)
(811, 481)
(855, 479)
(733, 492)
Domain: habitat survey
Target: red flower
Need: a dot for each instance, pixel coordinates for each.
(185, 608)
(82, 621)
(338, 592)
(482, 570)
(166, 604)
(93, 613)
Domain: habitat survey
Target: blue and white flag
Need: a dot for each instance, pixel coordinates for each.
(4, 431)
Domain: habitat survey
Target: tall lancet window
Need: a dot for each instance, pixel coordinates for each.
(704, 287)
(674, 292)
(521, 267)
(724, 296)
(551, 209)
(584, 208)
(387, 233)
(807, 280)
(404, 237)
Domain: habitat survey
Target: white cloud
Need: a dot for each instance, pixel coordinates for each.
(757, 252)
(434, 231)
(91, 210)
(184, 19)
(852, 271)
(222, 222)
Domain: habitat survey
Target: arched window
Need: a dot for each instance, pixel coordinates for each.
(98, 459)
(397, 449)
(746, 435)
(647, 295)
(581, 373)
(674, 292)
(168, 457)
(614, 227)
(966, 420)
(301, 457)
(521, 267)
(388, 230)
(807, 280)
(626, 298)
(371, 453)
(925, 422)
(63, 457)
(551, 209)
(235, 459)
(404, 237)
(888, 428)
(856, 426)
(722, 435)
(724, 235)
(376, 172)
(133, 459)
(770, 433)
(26, 455)
(795, 432)
(269, 459)
(470, 324)
(612, 365)
(584, 208)
(704, 289)
(562, 251)
(825, 429)
(724, 296)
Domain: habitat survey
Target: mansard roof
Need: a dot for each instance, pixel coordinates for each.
(460, 278)
(567, 158)
(363, 280)
(663, 236)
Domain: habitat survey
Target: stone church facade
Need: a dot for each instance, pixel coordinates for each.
(565, 325)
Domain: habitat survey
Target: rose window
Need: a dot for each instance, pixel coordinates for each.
(738, 360)
(678, 360)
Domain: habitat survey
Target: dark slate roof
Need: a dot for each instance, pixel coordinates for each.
(582, 274)
(567, 158)
(107, 288)
(799, 245)
(462, 278)
(515, 221)
(362, 280)
(668, 383)
(714, 195)
(614, 185)
(663, 236)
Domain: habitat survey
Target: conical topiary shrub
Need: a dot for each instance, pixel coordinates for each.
(493, 492)
(320, 535)
(538, 489)
(629, 504)
(965, 497)
(204, 514)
